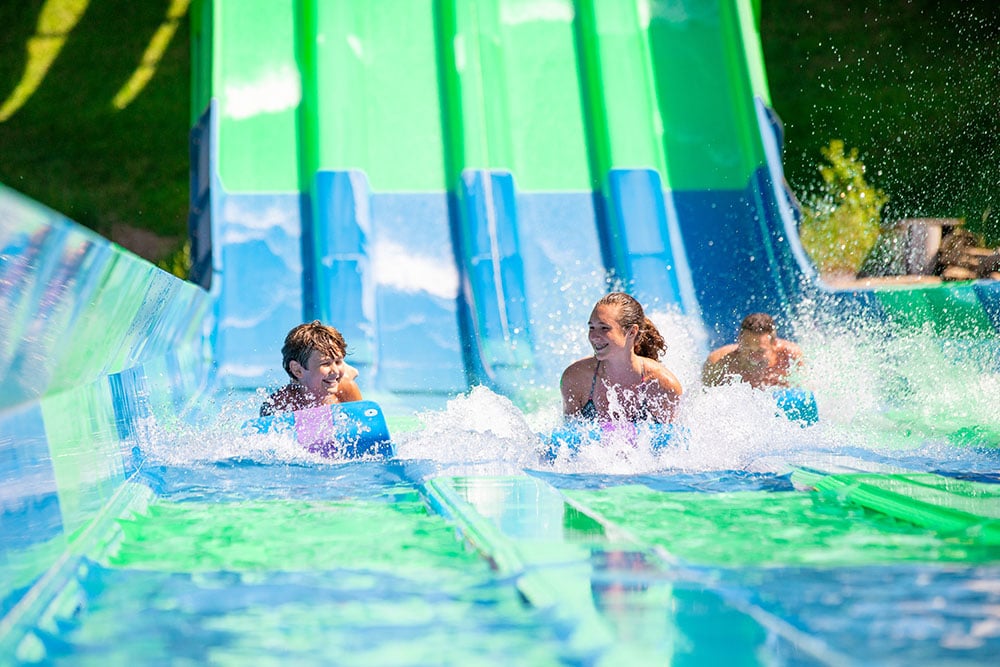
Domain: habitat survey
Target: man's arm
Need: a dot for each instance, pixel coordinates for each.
(716, 367)
(793, 351)
(793, 363)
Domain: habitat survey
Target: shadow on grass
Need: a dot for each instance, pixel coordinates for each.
(70, 148)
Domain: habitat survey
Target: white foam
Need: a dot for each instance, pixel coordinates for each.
(273, 91)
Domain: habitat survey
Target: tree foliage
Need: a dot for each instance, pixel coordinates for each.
(841, 222)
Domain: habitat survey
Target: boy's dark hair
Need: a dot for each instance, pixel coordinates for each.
(303, 339)
(649, 343)
(758, 323)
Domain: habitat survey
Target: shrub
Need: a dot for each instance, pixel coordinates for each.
(179, 262)
(841, 222)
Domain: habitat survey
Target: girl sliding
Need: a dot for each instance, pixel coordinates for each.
(623, 380)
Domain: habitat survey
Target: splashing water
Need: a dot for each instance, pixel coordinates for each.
(478, 427)
(217, 436)
(911, 398)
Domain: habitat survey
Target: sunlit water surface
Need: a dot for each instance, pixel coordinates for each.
(253, 546)
(915, 400)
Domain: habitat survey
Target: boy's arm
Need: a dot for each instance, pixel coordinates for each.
(348, 390)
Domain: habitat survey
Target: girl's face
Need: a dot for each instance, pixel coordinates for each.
(607, 336)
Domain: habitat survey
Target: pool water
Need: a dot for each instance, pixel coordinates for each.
(414, 562)
(753, 540)
(376, 581)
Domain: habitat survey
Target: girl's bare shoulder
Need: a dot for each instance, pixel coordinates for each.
(582, 365)
(663, 376)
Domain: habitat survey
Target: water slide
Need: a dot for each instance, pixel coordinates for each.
(453, 184)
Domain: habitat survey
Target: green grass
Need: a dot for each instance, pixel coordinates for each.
(915, 86)
(71, 149)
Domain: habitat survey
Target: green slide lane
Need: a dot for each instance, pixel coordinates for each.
(258, 97)
(290, 536)
(742, 529)
(705, 76)
(370, 99)
(511, 93)
(619, 96)
(557, 93)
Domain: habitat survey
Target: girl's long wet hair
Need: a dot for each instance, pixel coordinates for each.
(649, 343)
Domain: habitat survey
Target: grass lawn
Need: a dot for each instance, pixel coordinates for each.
(70, 147)
(914, 85)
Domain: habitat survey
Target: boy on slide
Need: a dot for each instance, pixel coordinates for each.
(313, 356)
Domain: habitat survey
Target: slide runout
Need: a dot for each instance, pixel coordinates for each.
(599, 578)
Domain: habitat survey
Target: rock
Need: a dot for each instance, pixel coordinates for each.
(958, 273)
(144, 243)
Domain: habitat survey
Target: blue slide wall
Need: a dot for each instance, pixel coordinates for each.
(96, 347)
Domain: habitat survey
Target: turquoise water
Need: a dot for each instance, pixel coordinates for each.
(467, 549)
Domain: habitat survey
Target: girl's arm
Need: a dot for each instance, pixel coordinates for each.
(573, 393)
(665, 395)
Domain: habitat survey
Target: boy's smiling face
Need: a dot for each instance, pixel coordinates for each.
(321, 373)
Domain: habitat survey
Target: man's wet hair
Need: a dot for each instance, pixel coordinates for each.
(758, 323)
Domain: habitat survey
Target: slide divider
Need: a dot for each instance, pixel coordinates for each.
(555, 578)
(344, 287)
(929, 500)
(643, 249)
(497, 346)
